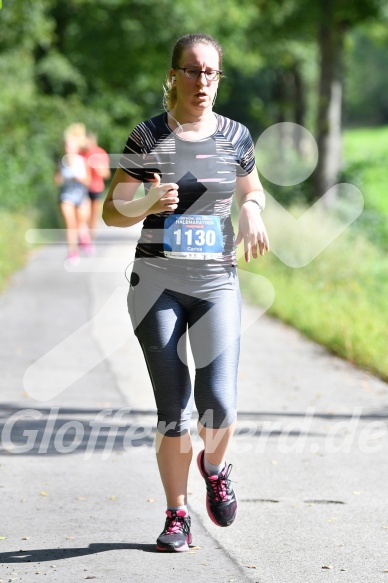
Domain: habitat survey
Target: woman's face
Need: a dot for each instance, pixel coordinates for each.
(196, 94)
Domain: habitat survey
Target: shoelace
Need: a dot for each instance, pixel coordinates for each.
(175, 524)
(221, 485)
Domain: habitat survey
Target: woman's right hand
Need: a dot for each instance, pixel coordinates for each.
(164, 197)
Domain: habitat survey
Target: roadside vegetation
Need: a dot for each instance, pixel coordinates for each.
(13, 246)
(340, 299)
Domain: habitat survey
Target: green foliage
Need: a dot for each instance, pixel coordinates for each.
(366, 86)
(338, 299)
(349, 277)
(56, 73)
(103, 62)
(13, 246)
(99, 62)
(26, 25)
(61, 72)
(365, 157)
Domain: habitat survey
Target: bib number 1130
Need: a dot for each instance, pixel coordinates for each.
(202, 237)
(193, 237)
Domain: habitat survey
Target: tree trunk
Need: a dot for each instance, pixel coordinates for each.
(331, 36)
(299, 106)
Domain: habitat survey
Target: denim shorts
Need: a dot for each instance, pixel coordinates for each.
(75, 194)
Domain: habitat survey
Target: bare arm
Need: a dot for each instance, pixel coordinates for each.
(58, 178)
(85, 180)
(251, 226)
(100, 163)
(80, 169)
(120, 210)
(104, 173)
(104, 170)
(250, 187)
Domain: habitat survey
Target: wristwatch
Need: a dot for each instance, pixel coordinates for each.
(255, 201)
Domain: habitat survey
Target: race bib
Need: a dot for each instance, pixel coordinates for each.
(193, 237)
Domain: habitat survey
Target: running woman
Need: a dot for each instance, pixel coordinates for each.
(73, 178)
(184, 283)
(99, 173)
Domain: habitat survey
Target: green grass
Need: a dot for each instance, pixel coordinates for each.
(362, 143)
(13, 246)
(365, 165)
(340, 299)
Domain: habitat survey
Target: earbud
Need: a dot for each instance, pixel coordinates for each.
(173, 78)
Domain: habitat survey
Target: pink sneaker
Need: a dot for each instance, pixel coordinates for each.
(176, 536)
(88, 248)
(84, 238)
(221, 502)
(73, 258)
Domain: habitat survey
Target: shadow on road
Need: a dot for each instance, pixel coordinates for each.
(67, 430)
(64, 430)
(40, 555)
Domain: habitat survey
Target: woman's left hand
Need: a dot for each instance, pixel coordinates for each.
(252, 231)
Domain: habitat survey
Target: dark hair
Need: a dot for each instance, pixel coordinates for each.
(189, 40)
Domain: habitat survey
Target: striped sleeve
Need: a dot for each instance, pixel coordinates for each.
(237, 140)
(245, 151)
(133, 156)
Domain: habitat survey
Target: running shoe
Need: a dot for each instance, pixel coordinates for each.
(84, 238)
(73, 258)
(221, 502)
(176, 535)
(88, 248)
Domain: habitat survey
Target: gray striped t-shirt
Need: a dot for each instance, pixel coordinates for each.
(205, 171)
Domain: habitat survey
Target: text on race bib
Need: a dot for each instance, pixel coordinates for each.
(193, 237)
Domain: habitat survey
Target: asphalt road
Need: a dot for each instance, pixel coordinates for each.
(81, 497)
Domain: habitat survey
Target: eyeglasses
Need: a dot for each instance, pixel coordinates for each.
(194, 73)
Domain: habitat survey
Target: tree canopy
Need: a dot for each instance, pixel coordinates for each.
(104, 62)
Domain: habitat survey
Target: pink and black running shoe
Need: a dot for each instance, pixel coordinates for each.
(176, 535)
(221, 502)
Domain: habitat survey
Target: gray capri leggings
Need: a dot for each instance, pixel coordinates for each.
(166, 304)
